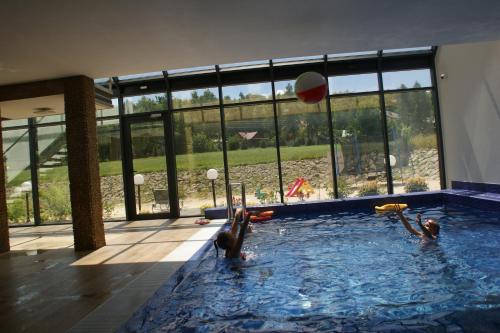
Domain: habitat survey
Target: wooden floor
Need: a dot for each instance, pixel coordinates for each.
(47, 287)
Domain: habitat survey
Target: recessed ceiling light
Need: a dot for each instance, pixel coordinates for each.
(143, 87)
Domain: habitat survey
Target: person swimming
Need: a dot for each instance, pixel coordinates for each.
(430, 229)
(228, 241)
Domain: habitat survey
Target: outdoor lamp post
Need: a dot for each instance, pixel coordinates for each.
(212, 174)
(138, 181)
(26, 188)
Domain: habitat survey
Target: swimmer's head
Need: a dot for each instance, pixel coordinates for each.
(433, 226)
(225, 240)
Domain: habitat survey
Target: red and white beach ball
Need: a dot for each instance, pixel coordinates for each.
(310, 87)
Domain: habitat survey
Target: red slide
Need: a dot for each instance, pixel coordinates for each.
(293, 190)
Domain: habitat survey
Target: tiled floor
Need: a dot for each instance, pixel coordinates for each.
(47, 287)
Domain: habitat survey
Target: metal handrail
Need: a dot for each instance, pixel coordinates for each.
(230, 208)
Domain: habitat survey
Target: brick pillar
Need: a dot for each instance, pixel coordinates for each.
(4, 224)
(83, 167)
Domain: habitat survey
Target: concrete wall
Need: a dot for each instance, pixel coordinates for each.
(470, 109)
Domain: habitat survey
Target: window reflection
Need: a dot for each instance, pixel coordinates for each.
(145, 103)
(359, 146)
(345, 84)
(198, 147)
(407, 79)
(305, 151)
(413, 141)
(195, 97)
(247, 92)
(252, 157)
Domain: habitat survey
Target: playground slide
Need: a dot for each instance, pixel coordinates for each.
(293, 190)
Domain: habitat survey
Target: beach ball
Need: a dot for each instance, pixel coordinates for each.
(310, 87)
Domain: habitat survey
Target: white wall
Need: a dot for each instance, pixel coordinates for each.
(470, 110)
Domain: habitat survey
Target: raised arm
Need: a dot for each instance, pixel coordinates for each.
(407, 224)
(425, 231)
(236, 220)
(235, 251)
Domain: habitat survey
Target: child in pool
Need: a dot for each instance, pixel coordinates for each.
(228, 241)
(430, 229)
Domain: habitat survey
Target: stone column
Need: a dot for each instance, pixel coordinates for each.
(4, 224)
(83, 167)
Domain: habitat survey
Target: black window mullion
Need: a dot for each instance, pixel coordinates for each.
(437, 117)
(388, 169)
(223, 133)
(276, 132)
(330, 130)
(33, 149)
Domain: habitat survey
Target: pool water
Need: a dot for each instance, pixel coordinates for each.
(344, 272)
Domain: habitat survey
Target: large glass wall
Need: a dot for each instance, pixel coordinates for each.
(110, 168)
(413, 141)
(16, 154)
(53, 182)
(357, 106)
(198, 148)
(359, 145)
(252, 156)
(305, 151)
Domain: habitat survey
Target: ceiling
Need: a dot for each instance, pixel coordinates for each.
(56, 38)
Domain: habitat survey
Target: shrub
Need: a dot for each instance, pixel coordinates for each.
(201, 143)
(368, 188)
(55, 202)
(343, 188)
(416, 184)
(107, 208)
(203, 207)
(424, 141)
(233, 143)
(16, 211)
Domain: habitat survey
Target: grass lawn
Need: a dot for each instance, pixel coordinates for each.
(196, 161)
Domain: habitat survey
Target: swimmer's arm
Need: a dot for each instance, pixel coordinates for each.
(425, 231)
(236, 219)
(407, 224)
(235, 252)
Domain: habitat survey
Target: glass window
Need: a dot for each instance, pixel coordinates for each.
(191, 70)
(140, 76)
(247, 92)
(359, 146)
(110, 168)
(55, 204)
(407, 79)
(285, 89)
(145, 103)
(352, 55)
(14, 122)
(305, 151)
(408, 50)
(245, 64)
(17, 165)
(195, 97)
(412, 141)
(281, 61)
(345, 84)
(113, 111)
(198, 148)
(252, 156)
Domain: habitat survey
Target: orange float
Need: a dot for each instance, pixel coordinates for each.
(262, 216)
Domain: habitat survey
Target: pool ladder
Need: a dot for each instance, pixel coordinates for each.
(230, 208)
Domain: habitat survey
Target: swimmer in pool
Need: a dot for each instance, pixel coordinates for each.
(228, 241)
(430, 229)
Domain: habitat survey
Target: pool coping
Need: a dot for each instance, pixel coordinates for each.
(492, 201)
(471, 198)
